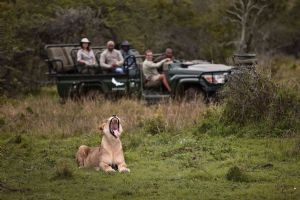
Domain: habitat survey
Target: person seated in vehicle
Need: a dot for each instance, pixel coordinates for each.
(150, 70)
(127, 52)
(85, 55)
(125, 49)
(112, 59)
(168, 54)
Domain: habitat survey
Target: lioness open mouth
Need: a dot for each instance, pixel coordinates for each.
(114, 126)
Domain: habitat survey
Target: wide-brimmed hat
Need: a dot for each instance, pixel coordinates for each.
(125, 43)
(85, 40)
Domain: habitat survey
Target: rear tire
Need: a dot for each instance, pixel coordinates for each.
(94, 94)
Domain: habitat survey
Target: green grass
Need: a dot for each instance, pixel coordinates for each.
(178, 165)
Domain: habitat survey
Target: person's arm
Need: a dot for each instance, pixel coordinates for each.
(159, 58)
(155, 65)
(120, 59)
(102, 61)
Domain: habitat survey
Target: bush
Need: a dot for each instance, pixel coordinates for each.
(235, 174)
(248, 96)
(63, 170)
(254, 105)
(253, 98)
(154, 125)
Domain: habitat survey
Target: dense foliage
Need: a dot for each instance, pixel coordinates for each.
(255, 105)
(205, 29)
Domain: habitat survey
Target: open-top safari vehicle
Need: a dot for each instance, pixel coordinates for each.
(187, 79)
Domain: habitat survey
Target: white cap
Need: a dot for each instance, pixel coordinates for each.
(85, 40)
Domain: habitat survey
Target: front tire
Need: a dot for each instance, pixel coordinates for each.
(193, 94)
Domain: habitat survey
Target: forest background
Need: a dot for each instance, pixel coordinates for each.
(212, 30)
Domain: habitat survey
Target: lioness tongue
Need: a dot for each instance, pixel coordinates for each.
(116, 132)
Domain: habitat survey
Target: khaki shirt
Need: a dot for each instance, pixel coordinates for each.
(150, 68)
(87, 56)
(108, 58)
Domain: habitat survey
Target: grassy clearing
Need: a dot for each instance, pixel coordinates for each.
(163, 166)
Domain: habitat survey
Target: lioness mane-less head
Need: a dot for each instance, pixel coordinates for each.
(112, 127)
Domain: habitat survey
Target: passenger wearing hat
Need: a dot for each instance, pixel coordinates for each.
(125, 49)
(112, 59)
(126, 52)
(85, 54)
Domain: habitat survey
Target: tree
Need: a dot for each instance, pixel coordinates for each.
(246, 13)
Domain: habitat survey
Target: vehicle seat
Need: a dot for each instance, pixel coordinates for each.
(61, 59)
(74, 55)
(97, 56)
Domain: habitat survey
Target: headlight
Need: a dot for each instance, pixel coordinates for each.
(219, 78)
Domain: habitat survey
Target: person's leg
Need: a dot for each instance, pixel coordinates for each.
(163, 78)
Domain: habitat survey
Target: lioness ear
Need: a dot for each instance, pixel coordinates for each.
(101, 127)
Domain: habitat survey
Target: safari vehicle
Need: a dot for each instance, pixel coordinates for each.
(187, 79)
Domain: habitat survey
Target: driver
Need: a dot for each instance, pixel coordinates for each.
(150, 70)
(127, 52)
(125, 49)
(168, 54)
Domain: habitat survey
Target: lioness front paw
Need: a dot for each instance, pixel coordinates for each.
(110, 170)
(124, 170)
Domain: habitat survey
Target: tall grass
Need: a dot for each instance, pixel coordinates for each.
(43, 115)
(253, 103)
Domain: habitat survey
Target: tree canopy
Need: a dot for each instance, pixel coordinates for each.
(205, 29)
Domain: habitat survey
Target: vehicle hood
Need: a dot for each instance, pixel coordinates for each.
(207, 67)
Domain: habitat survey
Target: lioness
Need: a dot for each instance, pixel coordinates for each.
(110, 154)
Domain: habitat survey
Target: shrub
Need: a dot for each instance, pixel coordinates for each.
(253, 98)
(154, 125)
(248, 96)
(235, 174)
(63, 170)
